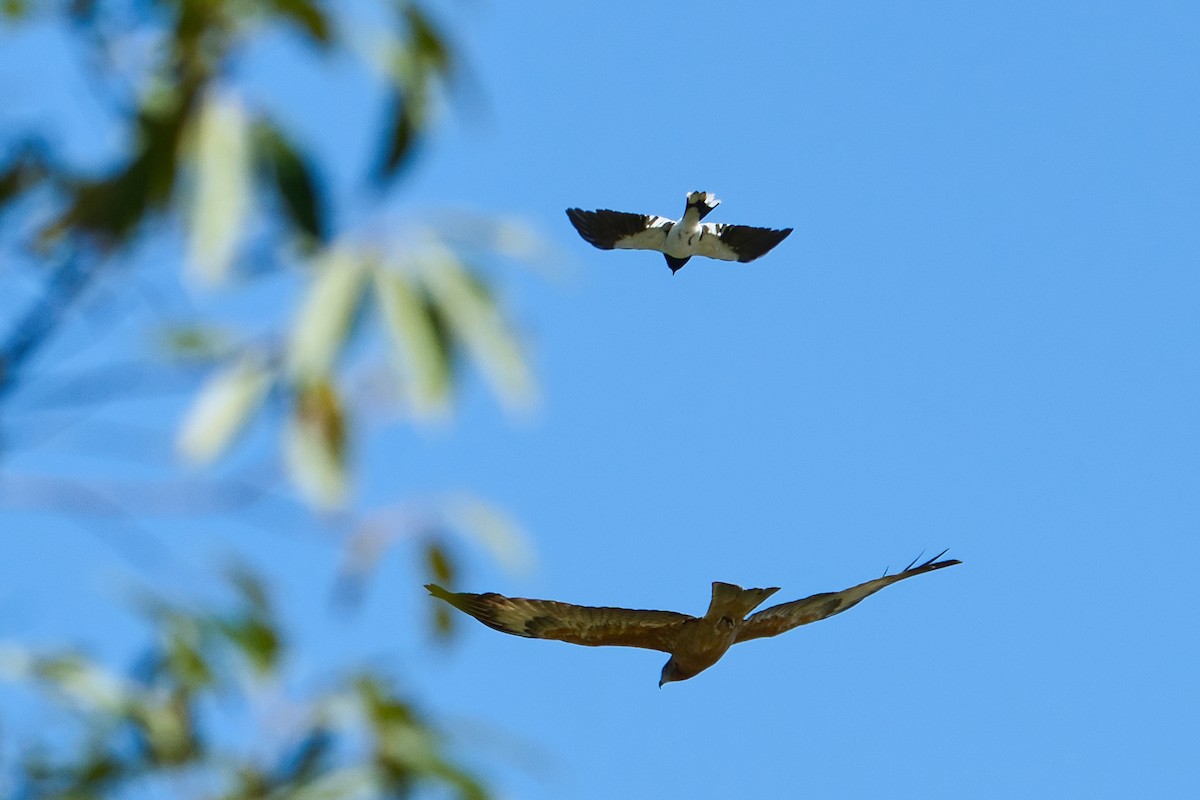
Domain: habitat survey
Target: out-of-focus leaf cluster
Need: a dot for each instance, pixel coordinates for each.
(200, 154)
(417, 63)
(202, 158)
(433, 311)
(192, 145)
(434, 526)
(158, 726)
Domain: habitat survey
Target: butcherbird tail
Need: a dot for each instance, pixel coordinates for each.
(703, 202)
(675, 264)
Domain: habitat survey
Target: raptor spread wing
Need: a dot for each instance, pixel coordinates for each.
(587, 625)
(737, 242)
(621, 230)
(778, 619)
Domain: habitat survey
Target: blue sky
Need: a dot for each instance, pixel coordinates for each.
(982, 335)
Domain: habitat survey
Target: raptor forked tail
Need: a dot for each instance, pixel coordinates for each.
(729, 600)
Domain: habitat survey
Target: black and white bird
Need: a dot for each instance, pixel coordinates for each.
(677, 240)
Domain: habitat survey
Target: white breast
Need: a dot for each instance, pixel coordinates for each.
(682, 240)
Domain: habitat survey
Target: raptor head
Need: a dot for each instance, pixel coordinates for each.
(671, 671)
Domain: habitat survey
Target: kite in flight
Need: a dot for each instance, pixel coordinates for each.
(695, 643)
(678, 241)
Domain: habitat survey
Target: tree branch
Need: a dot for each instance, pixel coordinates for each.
(40, 321)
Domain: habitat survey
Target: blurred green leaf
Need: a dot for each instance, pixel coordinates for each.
(315, 445)
(493, 529)
(86, 685)
(220, 202)
(196, 342)
(183, 652)
(307, 15)
(427, 42)
(323, 322)
(257, 640)
(441, 569)
(249, 783)
(380, 707)
(167, 728)
(251, 629)
(164, 728)
(406, 750)
(307, 759)
(111, 209)
(418, 63)
(96, 772)
(476, 321)
(14, 9)
(11, 183)
(358, 738)
(222, 409)
(419, 342)
(405, 117)
(293, 177)
(250, 589)
(347, 783)
(443, 621)
(82, 10)
(21, 172)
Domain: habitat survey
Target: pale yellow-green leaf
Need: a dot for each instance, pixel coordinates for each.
(315, 446)
(477, 322)
(14, 9)
(221, 198)
(323, 322)
(421, 358)
(167, 728)
(80, 681)
(493, 529)
(87, 684)
(344, 783)
(408, 744)
(195, 343)
(222, 408)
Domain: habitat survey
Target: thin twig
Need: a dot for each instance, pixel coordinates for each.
(42, 319)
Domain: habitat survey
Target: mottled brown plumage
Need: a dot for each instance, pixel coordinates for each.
(695, 643)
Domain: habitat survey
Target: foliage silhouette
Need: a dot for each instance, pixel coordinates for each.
(228, 186)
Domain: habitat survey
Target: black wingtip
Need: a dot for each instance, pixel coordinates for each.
(928, 565)
(935, 562)
(913, 563)
(750, 243)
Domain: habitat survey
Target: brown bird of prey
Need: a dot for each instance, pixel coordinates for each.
(677, 240)
(695, 643)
